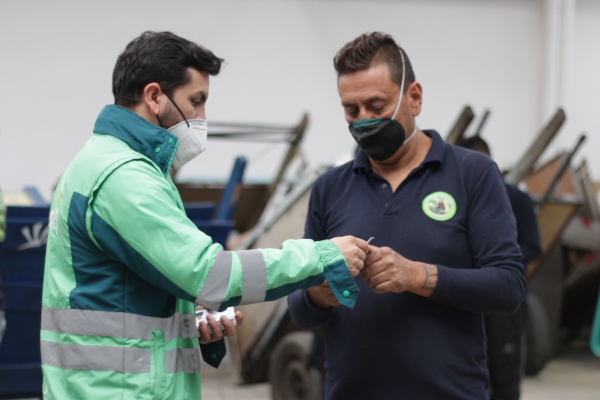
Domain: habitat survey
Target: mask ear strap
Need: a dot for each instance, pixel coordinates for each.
(178, 109)
(401, 86)
(412, 135)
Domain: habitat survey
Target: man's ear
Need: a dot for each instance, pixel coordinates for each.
(151, 97)
(415, 95)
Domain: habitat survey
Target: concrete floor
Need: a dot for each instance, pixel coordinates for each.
(573, 375)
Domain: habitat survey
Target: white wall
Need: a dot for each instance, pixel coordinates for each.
(584, 95)
(56, 60)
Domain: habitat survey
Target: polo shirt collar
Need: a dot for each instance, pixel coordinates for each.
(154, 142)
(436, 152)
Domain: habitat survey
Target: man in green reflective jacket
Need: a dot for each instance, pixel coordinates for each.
(125, 267)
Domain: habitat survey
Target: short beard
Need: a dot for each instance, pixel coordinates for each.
(170, 117)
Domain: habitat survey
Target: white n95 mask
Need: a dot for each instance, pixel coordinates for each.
(192, 135)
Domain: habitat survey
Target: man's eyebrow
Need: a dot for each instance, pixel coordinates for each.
(202, 94)
(368, 100)
(374, 98)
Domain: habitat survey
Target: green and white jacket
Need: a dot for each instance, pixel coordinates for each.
(124, 267)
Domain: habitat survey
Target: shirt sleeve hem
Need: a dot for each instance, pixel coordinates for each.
(438, 293)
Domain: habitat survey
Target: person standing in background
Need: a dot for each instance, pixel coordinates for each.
(507, 333)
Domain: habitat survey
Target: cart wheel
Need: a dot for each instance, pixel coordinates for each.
(539, 342)
(290, 379)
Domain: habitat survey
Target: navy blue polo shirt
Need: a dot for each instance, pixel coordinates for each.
(452, 211)
(528, 235)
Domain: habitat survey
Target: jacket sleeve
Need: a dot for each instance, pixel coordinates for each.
(135, 218)
(497, 281)
(303, 313)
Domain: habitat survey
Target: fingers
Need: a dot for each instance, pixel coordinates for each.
(358, 253)
(228, 327)
(215, 330)
(378, 279)
(373, 249)
(239, 318)
(351, 246)
(373, 269)
(355, 267)
(374, 255)
(216, 333)
(362, 244)
(384, 287)
(204, 335)
(362, 254)
(362, 248)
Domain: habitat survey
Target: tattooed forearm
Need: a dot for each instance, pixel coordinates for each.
(431, 276)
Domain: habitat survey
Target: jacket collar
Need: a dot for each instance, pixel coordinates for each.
(152, 141)
(436, 153)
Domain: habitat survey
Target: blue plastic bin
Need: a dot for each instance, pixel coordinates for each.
(199, 210)
(22, 271)
(218, 230)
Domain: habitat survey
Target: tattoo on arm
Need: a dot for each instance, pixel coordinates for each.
(431, 276)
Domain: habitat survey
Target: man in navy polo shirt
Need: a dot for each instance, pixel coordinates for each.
(446, 244)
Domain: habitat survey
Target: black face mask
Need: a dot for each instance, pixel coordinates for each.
(381, 138)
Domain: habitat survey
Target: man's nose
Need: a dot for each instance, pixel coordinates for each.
(365, 114)
(200, 113)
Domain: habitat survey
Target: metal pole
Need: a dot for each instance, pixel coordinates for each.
(524, 167)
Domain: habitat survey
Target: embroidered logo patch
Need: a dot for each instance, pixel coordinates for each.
(440, 206)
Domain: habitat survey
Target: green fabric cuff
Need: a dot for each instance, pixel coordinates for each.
(337, 273)
(213, 353)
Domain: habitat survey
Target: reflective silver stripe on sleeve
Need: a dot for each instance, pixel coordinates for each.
(254, 270)
(214, 290)
(96, 358)
(183, 360)
(117, 324)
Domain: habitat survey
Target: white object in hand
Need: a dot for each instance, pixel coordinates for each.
(201, 317)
